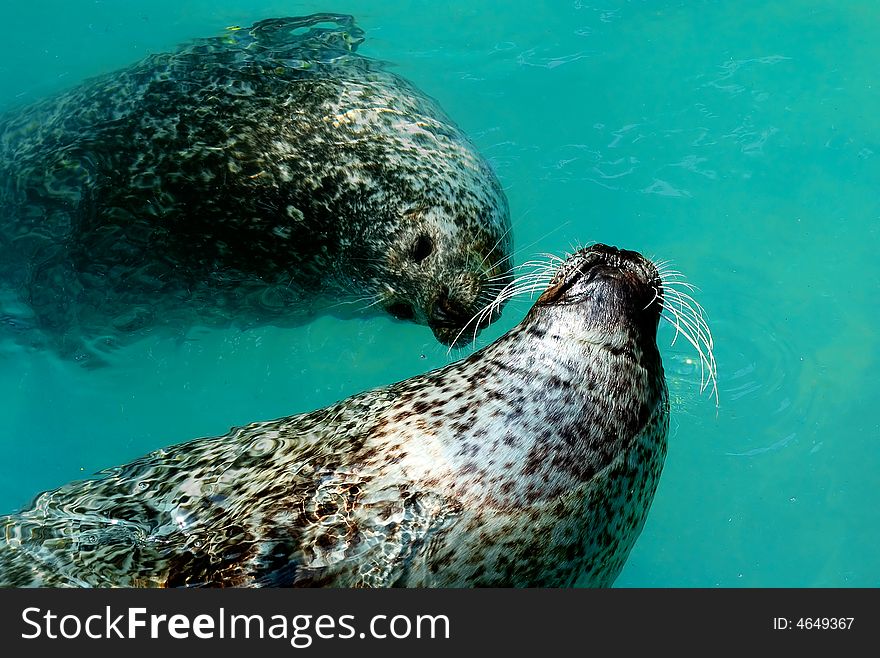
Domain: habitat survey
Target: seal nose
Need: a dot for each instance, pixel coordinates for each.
(448, 312)
(603, 255)
(604, 249)
(453, 321)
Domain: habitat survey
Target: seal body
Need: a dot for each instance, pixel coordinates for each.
(260, 177)
(531, 463)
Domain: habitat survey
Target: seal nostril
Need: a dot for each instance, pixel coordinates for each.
(423, 247)
(402, 311)
(447, 310)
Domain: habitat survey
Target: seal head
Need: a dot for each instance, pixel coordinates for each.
(441, 273)
(614, 293)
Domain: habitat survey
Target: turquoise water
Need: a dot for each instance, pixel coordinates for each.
(740, 140)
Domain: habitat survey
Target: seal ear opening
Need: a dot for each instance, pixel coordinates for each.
(423, 247)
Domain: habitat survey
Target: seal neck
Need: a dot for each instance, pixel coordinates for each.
(561, 410)
(560, 335)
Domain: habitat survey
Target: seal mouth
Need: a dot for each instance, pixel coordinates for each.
(468, 303)
(454, 323)
(401, 311)
(461, 334)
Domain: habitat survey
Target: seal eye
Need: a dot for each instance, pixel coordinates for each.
(402, 311)
(423, 248)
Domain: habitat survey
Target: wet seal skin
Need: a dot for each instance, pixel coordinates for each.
(264, 176)
(533, 462)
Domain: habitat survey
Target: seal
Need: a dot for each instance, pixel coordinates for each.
(264, 176)
(533, 462)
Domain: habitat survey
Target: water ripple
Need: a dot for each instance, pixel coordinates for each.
(763, 390)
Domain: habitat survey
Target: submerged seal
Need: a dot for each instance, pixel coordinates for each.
(259, 177)
(531, 463)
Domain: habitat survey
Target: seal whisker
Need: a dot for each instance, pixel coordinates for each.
(477, 317)
(577, 247)
(528, 265)
(512, 291)
(534, 274)
(499, 277)
(553, 258)
(521, 285)
(671, 279)
(684, 306)
(707, 363)
(530, 281)
(345, 302)
(500, 289)
(542, 266)
(675, 277)
(678, 282)
(518, 251)
(691, 304)
(664, 269)
(664, 273)
(530, 287)
(653, 299)
(689, 323)
(692, 315)
(375, 302)
(686, 322)
(491, 291)
(495, 246)
(688, 318)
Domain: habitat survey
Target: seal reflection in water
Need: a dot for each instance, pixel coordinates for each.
(260, 177)
(531, 463)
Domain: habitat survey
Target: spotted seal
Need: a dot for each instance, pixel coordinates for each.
(533, 462)
(263, 176)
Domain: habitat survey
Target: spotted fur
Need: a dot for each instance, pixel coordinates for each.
(259, 177)
(531, 463)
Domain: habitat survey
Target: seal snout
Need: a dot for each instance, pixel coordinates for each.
(446, 310)
(451, 317)
(614, 259)
(621, 265)
(602, 272)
